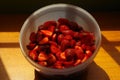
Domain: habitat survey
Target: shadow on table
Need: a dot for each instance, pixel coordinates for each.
(92, 72)
(3, 73)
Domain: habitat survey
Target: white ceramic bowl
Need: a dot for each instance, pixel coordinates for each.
(53, 12)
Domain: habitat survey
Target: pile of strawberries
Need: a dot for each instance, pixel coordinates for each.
(61, 44)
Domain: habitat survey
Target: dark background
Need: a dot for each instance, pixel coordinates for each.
(29, 6)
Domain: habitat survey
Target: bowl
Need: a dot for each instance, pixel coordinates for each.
(54, 12)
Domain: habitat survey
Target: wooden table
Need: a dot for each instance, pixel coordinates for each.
(106, 65)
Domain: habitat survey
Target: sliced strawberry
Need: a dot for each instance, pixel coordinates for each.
(63, 27)
(72, 43)
(31, 46)
(60, 38)
(74, 26)
(54, 37)
(33, 55)
(78, 61)
(44, 40)
(51, 59)
(42, 56)
(79, 52)
(70, 54)
(33, 37)
(51, 28)
(58, 65)
(62, 56)
(63, 21)
(68, 37)
(39, 36)
(50, 23)
(88, 52)
(68, 32)
(85, 58)
(78, 43)
(43, 63)
(76, 35)
(53, 43)
(47, 32)
(65, 44)
(54, 48)
(68, 64)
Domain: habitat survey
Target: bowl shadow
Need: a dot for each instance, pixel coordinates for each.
(92, 72)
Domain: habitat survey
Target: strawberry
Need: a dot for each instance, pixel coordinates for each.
(72, 43)
(51, 59)
(78, 61)
(33, 37)
(60, 38)
(65, 44)
(44, 40)
(63, 21)
(47, 32)
(31, 46)
(70, 54)
(33, 55)
(54, 37)
(88, 52)
(50, 23)
(58, 65)
(54, 48)
(68, 64)
(85, 58)
(42, 56)
(68, 32)
(51, 28)
(62, 56)
(64, 27)
(68, 37)
(43, 63)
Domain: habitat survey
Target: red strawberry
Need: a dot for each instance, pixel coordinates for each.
(68, 32)
(78, 61)
(79, 52)
(50, 23)
(58, 65)
(88, 52)
(62, 56)
(85, 58)
(47, 32)
(51, 28)
(70, 54)
(63, 21)
(72, 43)
(68, 63)
(31, 46)
(44, 40)
(54, 48)
(74, 26)
(43, 63)
(33, 37)
(60, 38)
(39, 36)
(65, 44)
(64, 27)
(54, 37)
(68, 37)
(51, 59)
(42, 56)
(33, 55)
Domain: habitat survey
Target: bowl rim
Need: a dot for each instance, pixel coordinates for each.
(61, 71)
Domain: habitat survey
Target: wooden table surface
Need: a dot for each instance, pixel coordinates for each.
(106, 65)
